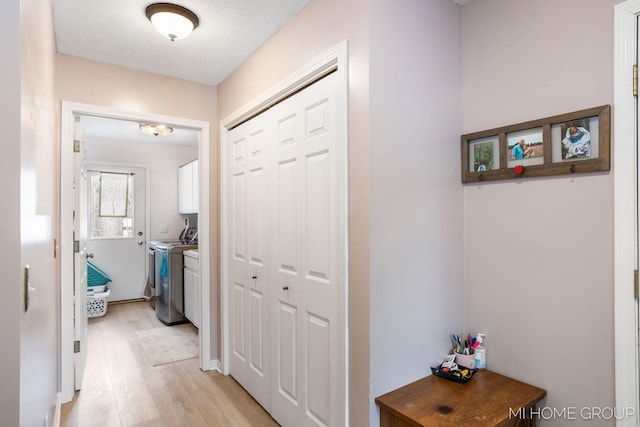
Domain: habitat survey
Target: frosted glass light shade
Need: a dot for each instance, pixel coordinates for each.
(155, 130)
(171, 20)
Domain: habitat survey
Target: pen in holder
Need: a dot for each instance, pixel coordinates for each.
(465, 360)
(464, 351)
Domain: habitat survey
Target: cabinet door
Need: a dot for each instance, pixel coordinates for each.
(192, 290)
(185, 185)
(195, 187)
(196, 299)
(188, 294)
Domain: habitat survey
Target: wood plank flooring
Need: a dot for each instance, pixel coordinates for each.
(122, 388)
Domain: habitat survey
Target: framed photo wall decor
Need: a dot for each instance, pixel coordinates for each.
(576, 142)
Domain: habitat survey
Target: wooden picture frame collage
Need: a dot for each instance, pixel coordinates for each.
(577, 142)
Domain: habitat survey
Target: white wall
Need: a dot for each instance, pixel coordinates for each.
(39, 365)
(539, 252)
(416, 206)
(163, 162)
(10, 303)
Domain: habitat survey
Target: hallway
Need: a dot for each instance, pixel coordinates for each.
(121, 386)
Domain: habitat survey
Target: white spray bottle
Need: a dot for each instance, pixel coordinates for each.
(480, 352)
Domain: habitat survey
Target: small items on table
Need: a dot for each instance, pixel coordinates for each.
(488, 399)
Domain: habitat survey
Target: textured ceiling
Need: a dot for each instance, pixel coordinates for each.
(118, 32)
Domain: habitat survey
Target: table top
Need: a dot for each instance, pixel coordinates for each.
(484, 400)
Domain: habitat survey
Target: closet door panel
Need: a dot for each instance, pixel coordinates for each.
(316, 215)
(287, 366)
(238, 355)
(286, 214)
(319, 253)
(257, 210)
(238, 216)
(318, 364)
(256, 344)
(285, 205)
(248, 219)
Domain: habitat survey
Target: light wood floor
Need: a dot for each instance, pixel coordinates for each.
(122, 388)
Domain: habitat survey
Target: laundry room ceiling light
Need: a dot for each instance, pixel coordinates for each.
(171, 20)
(155, 129)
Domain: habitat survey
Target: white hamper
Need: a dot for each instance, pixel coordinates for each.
(97, 303)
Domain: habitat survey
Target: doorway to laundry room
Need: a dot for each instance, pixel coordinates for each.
(133, 198)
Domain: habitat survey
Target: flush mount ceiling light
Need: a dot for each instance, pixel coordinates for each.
(155, 129)
(171, 20)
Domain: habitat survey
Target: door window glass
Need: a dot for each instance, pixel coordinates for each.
(110, 205)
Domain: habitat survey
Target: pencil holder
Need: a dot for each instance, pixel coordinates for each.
(465, 360)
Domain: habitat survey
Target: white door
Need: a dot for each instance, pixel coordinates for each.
(80, 255)
(309, 252)
(287, 258)
(117, 224)
(636, 179)
(248, 277)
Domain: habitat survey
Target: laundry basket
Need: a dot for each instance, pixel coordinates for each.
(97, 304)
(97, 280)
(97, 291)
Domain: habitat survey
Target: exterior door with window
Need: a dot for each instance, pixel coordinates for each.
(116, 224)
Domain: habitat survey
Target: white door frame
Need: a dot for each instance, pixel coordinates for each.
(335, 60)
(68, 111)
(625, 210)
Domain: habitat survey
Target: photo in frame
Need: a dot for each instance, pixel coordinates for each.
(483, 154)
(575, 140)
(525, 148)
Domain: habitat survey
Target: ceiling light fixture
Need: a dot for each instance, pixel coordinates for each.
(155, 129)
(171, 20)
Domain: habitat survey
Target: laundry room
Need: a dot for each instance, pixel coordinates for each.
(141, 217)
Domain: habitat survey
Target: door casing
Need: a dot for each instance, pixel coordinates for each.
(625, 161)
(68, 111)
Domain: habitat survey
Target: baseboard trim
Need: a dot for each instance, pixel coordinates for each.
(214, 365)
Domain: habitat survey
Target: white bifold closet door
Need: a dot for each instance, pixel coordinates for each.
(287, 259)
(248, 274)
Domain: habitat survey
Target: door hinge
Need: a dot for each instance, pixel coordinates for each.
(635, 284)
(635, 80)
(76, 346)
(76, 146)
(76, 246)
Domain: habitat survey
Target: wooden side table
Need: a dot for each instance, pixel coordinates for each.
(488, 399)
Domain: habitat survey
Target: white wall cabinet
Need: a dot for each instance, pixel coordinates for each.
(188, 188)
(191, 288)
